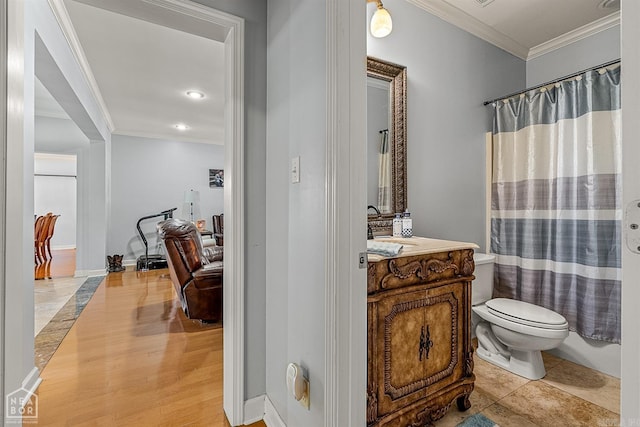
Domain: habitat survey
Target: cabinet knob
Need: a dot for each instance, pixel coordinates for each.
(425, 344)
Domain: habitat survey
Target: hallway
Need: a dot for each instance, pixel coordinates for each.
(133, 359)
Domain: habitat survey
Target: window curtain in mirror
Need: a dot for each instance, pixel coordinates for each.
(384, 174)
(556, 203)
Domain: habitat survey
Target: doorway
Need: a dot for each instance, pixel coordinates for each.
(205, 22)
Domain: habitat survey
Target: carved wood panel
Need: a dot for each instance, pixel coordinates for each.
(420, 354)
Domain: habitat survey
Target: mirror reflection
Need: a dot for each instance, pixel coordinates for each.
(378, 140)
(386, 143)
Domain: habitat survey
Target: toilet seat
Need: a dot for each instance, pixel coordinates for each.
(526, 314)
(501, 320)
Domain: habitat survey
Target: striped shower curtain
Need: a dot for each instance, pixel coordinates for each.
(556, 202)
(384, 174)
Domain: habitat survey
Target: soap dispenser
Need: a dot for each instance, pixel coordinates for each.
(407, 225)
(397, 225)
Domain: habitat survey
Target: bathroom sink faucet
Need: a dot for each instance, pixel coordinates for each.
(369, 230)
(374, 208)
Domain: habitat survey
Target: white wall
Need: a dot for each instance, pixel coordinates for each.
(450, 73)
(591, 51)
(149, 176)
(594, 50)
(296, 126)
(54, 190)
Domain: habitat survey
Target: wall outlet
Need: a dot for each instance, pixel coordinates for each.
(295, 169)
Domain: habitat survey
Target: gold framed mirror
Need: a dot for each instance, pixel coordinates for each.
(391, 191)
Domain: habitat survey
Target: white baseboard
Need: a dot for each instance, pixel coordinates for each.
(62, 247)
(129, 262)
(90, 273)
(254, 409)
(271, 416)
(20, 397)
(32, 381)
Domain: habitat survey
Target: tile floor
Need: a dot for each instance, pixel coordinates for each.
(50, 295)
(569, 395)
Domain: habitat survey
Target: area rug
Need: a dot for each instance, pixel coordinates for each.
(477, 420)
(50, 337)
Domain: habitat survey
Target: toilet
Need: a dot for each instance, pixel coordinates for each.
(511, 334)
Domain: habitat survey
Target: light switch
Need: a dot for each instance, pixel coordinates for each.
(295, 169)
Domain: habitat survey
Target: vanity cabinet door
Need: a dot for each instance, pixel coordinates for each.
(416, 346)
(400, 368)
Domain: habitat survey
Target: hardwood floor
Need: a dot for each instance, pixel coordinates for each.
(61, 264)
(133, 359)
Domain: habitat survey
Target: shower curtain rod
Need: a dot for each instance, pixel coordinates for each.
(606, 64)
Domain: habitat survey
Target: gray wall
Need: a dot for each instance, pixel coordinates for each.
(595, 50)
(296, 126)
(151, 175)
(255, 94)
(450, 73)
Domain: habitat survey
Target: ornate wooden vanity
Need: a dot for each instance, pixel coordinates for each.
(420, 357)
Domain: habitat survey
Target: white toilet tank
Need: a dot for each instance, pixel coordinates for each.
(482, 286)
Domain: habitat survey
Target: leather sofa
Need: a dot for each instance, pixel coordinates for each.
(196, 272)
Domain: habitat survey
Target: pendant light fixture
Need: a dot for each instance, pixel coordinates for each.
(381, 24)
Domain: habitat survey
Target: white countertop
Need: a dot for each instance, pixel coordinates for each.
(421, 245)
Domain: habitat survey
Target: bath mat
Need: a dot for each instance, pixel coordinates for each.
(477, 420)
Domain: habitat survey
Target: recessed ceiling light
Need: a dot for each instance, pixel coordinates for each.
(195, 94)
(181, 126)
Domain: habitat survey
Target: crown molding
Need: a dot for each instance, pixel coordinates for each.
(470, 24)
(166, 137)
(573, 36)
(64, 20)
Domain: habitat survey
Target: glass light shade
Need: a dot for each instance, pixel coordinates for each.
(191, 196)
(381, 24)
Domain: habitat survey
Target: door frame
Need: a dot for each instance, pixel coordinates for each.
(233, 37)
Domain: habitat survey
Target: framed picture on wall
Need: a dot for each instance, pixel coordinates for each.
(216, 178)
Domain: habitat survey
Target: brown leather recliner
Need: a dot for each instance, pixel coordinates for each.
(196, 274)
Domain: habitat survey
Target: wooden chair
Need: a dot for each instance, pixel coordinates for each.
(218, 229)
(40, 237)
(37, 229)
(50, 229)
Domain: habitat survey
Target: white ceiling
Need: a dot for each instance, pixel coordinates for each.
(143, 70)
(526, 28)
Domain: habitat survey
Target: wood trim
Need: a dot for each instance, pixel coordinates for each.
(234, 230)
(468, 23)
(254, 409)
(345, 343)
(3, 195)
(64, 21)
(630, 56)
(271, 416)
(573, 36)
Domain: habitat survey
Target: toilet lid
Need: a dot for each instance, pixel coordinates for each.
(526, 314)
